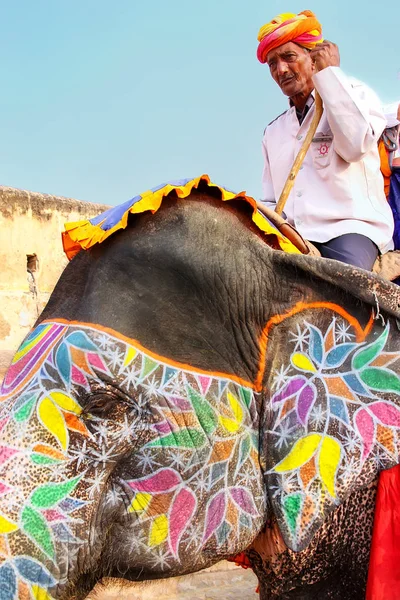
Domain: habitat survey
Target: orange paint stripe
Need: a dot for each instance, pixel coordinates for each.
(301, 307)
(156, 357)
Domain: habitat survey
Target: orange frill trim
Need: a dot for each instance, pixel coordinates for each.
(85, 234)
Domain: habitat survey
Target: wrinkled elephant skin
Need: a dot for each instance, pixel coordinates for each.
(186, 389)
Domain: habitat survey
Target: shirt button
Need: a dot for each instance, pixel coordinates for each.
(299, 222)
(301, 167)
(299, 194)
(299, 137)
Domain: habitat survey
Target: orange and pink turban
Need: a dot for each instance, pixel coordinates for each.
(303, 29)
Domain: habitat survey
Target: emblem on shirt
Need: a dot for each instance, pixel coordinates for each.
(323, 149)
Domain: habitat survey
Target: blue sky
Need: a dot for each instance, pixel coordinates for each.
(102, 100)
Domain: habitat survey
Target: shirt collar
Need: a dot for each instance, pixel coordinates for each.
(301, 114)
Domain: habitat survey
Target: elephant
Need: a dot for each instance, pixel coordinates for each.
(191, 392)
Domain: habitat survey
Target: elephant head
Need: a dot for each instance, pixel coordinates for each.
(183, 380)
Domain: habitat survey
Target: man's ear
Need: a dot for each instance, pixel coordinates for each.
(312, 61)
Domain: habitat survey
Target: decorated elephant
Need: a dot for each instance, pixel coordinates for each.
(192, 391)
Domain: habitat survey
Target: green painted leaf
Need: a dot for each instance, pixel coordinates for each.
(186, 438)
(382, 380)
(48, 495)
(246, 396)
(33, 524)
(291, 507)
(25, 411)
(204, 411)
(244, 450)
(148, 366)
(255, 441)
(367, 354)
(39, 459)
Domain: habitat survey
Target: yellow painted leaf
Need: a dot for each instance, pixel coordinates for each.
(140, 502)
(66, 402)
(229, 424)
(129, 356)
(52, 419)
(40, 594)
(7, 526)
(301, 453)
(301, 361)
(158, 531)
(328, 462)
(236, 408)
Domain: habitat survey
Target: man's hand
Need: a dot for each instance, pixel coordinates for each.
(325, 55)
(398, 113)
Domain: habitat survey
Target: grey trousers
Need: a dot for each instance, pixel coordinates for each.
(350, 248)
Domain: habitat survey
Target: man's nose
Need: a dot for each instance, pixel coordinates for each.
(282, 68)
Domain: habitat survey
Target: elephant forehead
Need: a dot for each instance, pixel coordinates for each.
(335, 414)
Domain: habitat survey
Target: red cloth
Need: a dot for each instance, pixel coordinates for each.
(384, 566)
(241, 560)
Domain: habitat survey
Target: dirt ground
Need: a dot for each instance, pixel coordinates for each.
(224, 581)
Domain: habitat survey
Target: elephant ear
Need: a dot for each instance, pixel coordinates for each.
(335, 406)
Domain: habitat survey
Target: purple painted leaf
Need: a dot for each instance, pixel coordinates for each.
(366, 429)
(386, 412)
(163, 427)
(182, 510)
(305, 402)
(243, 499)
(290, 389)
(215, 514)
(180, 403)
(162, 481)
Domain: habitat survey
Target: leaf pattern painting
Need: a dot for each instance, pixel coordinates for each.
(334, 410)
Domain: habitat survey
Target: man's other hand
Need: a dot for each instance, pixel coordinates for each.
(325, 55)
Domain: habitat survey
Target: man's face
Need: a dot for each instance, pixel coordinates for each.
(292, 69)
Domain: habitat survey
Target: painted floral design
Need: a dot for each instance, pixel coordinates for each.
(335, 420)
(201, 452)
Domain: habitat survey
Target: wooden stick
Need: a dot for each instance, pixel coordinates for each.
(285, 228)
(300, 157)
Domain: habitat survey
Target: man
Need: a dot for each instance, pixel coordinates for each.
(338, 201)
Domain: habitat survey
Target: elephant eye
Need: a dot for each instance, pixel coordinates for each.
(106, 401)
(99, 404)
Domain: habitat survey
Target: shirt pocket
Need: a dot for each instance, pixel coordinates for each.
(321, 149)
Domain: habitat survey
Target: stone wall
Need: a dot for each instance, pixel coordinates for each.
(31, 258)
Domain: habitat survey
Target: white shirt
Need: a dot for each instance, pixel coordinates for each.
(339, 188)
